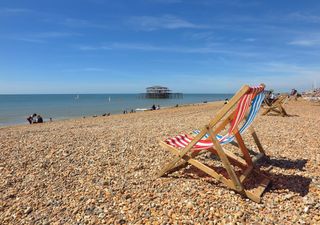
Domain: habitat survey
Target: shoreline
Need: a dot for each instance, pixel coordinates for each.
(95, 116)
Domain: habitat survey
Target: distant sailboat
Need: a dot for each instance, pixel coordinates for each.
(109, 99)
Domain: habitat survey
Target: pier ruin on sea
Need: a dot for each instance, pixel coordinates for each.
(160, 92)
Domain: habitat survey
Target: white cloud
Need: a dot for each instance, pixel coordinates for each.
(94, 69)
(13, 11)
(165, 1)
(250, 39)
(304, 17)
(150, 23)
(176, 49)
(40, 37)
(206, 35)
(54, 34)
(305, 42)
(86, 69)
(31, 40)
(284, 76)
(80, 23)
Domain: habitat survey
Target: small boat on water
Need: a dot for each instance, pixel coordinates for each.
(143, 109)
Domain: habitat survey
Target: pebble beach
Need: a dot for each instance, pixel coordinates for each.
(102, 171)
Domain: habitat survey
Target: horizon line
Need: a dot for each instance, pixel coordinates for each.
(96, 93)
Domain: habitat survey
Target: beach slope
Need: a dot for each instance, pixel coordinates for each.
(101, 170)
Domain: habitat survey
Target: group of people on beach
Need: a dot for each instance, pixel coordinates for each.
(34, 118)
(272, 97)
(126, 111)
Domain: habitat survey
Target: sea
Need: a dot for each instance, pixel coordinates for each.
(14, 109)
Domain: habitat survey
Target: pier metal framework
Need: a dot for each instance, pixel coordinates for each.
(160, 92)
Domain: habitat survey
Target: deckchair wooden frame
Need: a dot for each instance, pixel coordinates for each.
(276, 106)
(247, 163)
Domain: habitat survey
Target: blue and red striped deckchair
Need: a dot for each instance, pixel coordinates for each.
(223, 139)
(235, 113)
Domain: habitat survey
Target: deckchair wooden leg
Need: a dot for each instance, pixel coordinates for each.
(225, 161)
(283, 111)
(201, 166)
(253, 195)
(256, 195)
(276, 110)
(183, 163)
(243, 148)
(266, 111)
(180, 164)
(256, 140)
(167, 168)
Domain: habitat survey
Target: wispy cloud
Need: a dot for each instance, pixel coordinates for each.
(250, 40)
(304, 17)
(206, 35)
(289, 68)
(176, 49)
(284, 76)
(306, 42)
(150, 23)
(287, 75)
(276, 75)
(80, 23)
(87, 69)
(165, 1)
(54, 34)
(40, 37)
(26, 39)
(14, 11)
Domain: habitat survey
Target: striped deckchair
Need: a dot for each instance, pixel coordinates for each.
(254, 109)
(277, 106)
(186, 147)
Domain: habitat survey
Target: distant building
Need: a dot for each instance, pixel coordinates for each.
(161, 92)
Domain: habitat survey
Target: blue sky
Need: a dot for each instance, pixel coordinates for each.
(192, 46)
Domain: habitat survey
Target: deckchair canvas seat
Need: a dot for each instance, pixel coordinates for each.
(186, 147)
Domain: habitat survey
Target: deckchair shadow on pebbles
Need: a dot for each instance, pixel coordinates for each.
(276, 106)
(236, 168)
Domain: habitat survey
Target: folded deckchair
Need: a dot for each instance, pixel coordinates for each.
(276, 106)
(186, 148)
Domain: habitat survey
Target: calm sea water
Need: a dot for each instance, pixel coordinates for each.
(15, 108)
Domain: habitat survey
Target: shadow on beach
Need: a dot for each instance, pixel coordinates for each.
(285, 163)
(293, 183)
(276, 115)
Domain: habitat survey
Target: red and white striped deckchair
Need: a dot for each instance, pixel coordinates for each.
(186, 148)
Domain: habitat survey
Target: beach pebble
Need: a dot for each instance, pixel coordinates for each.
(28, 210)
